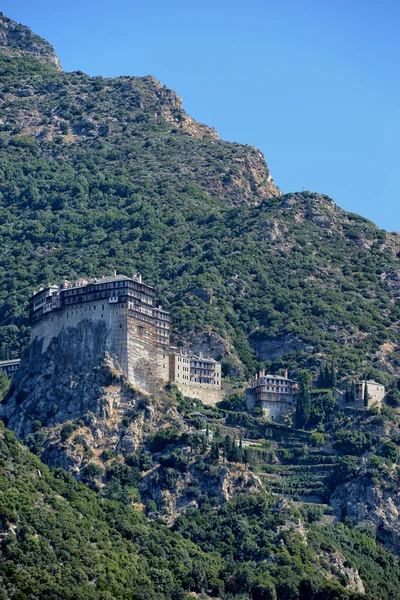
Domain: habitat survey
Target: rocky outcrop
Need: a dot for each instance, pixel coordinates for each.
(78, 107)
(220, 482)
(273, 348)
(338, 565)
(62, 383)
(18, 40)
(392, 281)
(368, 503)
(211, 344)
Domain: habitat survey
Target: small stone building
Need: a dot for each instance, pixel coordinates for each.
(376, 392)
(9, 366)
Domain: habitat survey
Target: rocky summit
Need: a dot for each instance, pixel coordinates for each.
(109, 490)
(18, 40)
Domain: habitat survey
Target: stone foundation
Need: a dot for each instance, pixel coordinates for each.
(206, 395)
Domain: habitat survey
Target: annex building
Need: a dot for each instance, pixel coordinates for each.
(376, 392)
(274, 394)
(9, 366)
(137, 333)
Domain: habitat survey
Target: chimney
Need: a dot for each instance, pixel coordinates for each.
(139, 278)
(286, 374)
(115, 272)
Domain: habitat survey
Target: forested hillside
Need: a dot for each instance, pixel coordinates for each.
(97, 174)
(59, 539)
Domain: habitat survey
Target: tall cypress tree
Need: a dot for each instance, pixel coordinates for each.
(303, 406)
(327, 378)
(333, 382)
(366, 393)
(353, 392)
(321, 377)
(214, 453)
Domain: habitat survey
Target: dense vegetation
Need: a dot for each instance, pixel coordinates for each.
(99, 173)
(61, 540)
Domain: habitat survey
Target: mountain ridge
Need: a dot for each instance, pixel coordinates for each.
(19, 40)
(112, 173)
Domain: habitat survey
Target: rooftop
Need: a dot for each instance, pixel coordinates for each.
(12, 361)
(65, 284)
(269, 376)
(195, 357)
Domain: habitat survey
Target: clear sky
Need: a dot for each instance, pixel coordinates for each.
(313, 83)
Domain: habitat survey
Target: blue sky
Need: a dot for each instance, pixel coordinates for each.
(314, 84)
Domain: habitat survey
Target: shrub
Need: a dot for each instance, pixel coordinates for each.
(317, 439)
(163, 438)
(389, 450)
(67, 430)
(92, 471)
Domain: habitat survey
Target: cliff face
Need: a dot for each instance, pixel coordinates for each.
(18, 40)
(62, 383)
(368, 503)
(222, 484)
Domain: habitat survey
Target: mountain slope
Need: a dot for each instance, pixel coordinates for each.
(98, 174)
(60, 540)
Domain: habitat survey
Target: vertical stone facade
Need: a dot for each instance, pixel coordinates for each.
(376, 392)
(275, 395)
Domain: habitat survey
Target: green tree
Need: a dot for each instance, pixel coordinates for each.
(4, 385)
(366, 397)
(92, 471)
(327, 376)
(317, 439)
(214, 452)
(303, 406)
(393, 395)
(389, 450)
(353, 392)
(333, 383)
(321, 381)
(345, 469)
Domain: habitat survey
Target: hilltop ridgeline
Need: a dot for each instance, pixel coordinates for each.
(18, 40)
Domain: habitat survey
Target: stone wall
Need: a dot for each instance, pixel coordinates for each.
(131, 347)
(250, 400)
(275, 411)
(206, 395)
(51, 325)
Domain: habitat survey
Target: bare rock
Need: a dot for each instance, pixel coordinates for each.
(273, 348)
(371, 504)
(18, 40)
